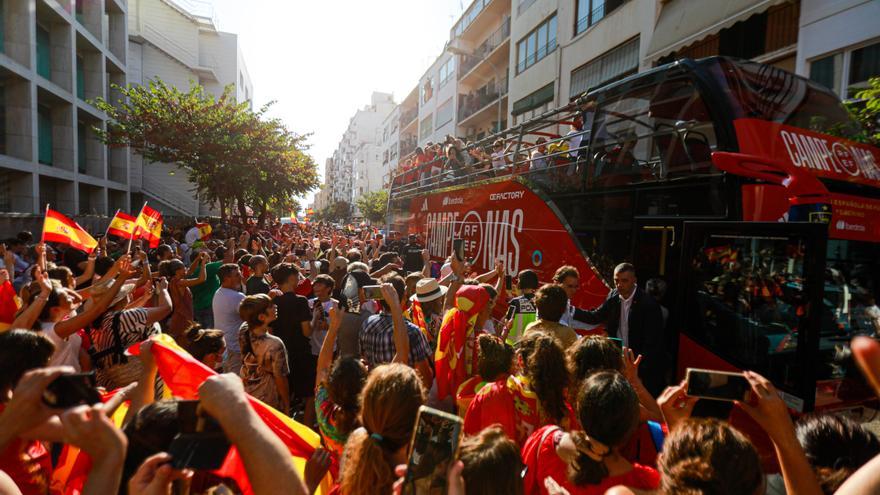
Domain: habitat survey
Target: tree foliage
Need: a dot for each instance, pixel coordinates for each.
(866, 109)
(373, 205)
(339, 211)
(232, 154)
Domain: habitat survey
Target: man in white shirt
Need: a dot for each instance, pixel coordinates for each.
(632, 315)
(225, 305)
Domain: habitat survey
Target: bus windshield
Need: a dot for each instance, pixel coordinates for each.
(769, 93)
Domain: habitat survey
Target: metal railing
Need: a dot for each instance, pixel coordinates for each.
(407, 117)
(474, 102)
(182, 202)
(468, 62)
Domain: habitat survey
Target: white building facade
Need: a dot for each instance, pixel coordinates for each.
(56, 57)
(356, 167)
(178, 42)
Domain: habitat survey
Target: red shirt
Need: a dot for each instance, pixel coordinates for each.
(28, 463)
(542, 462)
(511, 404)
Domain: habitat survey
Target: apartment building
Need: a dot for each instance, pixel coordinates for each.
(389, 143)
(178, 42)
(356, 167)
(436, 100)
(56, 56)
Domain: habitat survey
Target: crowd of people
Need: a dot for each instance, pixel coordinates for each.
(351, 333)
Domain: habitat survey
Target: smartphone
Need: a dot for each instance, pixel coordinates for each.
(508, 282)
(71, 390)
(373, 292)
(717, 385)
(458, 249)
(200, 443)
(433, 446)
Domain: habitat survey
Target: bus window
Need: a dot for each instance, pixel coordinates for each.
(748, 302)
(770, 93)
(651, 133)
(603, 225)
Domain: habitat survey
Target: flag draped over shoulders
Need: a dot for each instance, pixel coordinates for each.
(451, 358)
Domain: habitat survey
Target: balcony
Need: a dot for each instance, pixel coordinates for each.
(408, 117)
(477, 19)
(485, 50)
(477, 101)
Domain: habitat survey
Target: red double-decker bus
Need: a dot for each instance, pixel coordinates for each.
(736, 184)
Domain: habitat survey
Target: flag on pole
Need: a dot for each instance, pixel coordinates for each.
(59, 228)
(149, 226)
(122, 225)
(204, 230)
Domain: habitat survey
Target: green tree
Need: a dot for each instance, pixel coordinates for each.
(339, 211)
(373, 205)
(866, 109)
(235, 157)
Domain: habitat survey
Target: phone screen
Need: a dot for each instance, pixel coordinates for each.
(373, 292)
(716, 385)
(434, 445)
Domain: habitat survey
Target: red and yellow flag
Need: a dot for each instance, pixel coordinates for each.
(184, 374)
(204, 230)
(452, 364)
(122, 225)
(149, 226)
(59, 228)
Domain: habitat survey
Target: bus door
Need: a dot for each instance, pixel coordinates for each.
(656, 247)
(751, 296)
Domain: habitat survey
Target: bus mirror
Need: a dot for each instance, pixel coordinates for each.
(802, 186)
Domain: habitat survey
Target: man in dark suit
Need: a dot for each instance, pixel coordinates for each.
(632, 315)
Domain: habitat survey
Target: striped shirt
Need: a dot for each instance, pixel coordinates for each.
(133, 328)
(377, 341)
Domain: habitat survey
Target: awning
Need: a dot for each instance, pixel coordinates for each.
(682, 22)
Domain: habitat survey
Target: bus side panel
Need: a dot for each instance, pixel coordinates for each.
(506, 221)
(852, 217)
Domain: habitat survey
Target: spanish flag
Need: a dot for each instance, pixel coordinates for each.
(122, 225)
(59, 228)
(9, 305)
(310, 212)
(204, 230)
(149, 226)
(184, 374)
(452, 364)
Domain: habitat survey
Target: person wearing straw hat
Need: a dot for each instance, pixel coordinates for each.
(426, 309)
(119, 328)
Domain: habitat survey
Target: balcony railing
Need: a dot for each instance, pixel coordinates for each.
(408, 116)
(474, 102)
(486, 47)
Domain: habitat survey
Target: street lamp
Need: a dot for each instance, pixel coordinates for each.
(464, 53)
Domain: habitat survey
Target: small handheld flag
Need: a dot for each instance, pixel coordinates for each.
(122, 225)
(204, 230)
(59, 228)
(149, 226)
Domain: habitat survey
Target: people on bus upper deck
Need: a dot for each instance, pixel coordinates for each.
(499, 158)
(632, 315)
(538, 158)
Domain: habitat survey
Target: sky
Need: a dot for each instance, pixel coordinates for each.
(321, 60)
